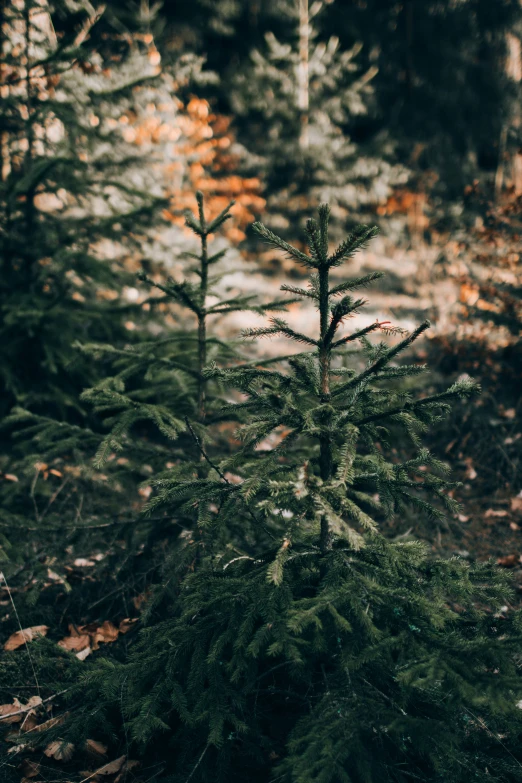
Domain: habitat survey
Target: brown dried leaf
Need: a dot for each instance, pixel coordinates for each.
(59, 750)
(95, 748)
(49, 724)
(112, 767)
(127, 624)
(509, 561)
(107, 632)
(8, 709)
(516, 503)
(471, 473)
(75, 642)
(19, 638)
(492, 512)
(30, 769)
(34, 701)
(127, 767)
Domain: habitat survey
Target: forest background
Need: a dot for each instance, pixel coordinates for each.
(404, 115)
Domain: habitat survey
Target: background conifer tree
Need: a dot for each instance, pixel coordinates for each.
(78, 205)
(63, 195)
(298, 100)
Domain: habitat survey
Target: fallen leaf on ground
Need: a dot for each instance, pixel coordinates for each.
(8, 709)
(59, 750)
(462, 518)
(127, 624)
(49, 724)
(76, 641)
(95, 747)
(30, 769)
(516, 503)
(127, 767)
(492, 512)
(83, 639)
(471, 473)
(19, 638)
(29, 720)
(139, 600)
(112, 767)
(106, 632)
(509, 561)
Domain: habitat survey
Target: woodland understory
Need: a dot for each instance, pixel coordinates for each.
(260, 411)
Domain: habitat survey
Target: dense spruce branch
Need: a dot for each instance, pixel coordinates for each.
(357, 240)
(279, 327)
(276, 241)
(357, 335)
(357, 282)
(464, 388)
(374, 368)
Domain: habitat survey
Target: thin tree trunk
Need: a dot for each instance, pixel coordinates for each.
(325, 442)
(303, 78)
(202, 329)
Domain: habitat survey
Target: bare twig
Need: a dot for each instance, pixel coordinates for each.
(33, 706)
(197, 764)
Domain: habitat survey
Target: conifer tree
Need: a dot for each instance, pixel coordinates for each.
(297, 102)
(77, 207)
(333, 654)
(62, 196)
(157, 405)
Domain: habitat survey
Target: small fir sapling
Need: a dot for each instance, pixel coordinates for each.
(158, 406)
(334, 655)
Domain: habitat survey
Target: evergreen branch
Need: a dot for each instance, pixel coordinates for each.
(279, 327)
(356, 335)
(324, 219)
(172, 290)
(201, 211)
(357, 240)
(314, 242)
(221, 475)
(357, 282)
(345, 307)
(220, 219)
(464, 388)
(276, 241)
(216, 256)
(276, 305)
(299, 291)
(385, 358)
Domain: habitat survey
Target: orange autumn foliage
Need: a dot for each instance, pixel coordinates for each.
(207, 163)
(201, 157)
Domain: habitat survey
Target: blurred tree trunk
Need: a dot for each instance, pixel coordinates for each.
(303, 88)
